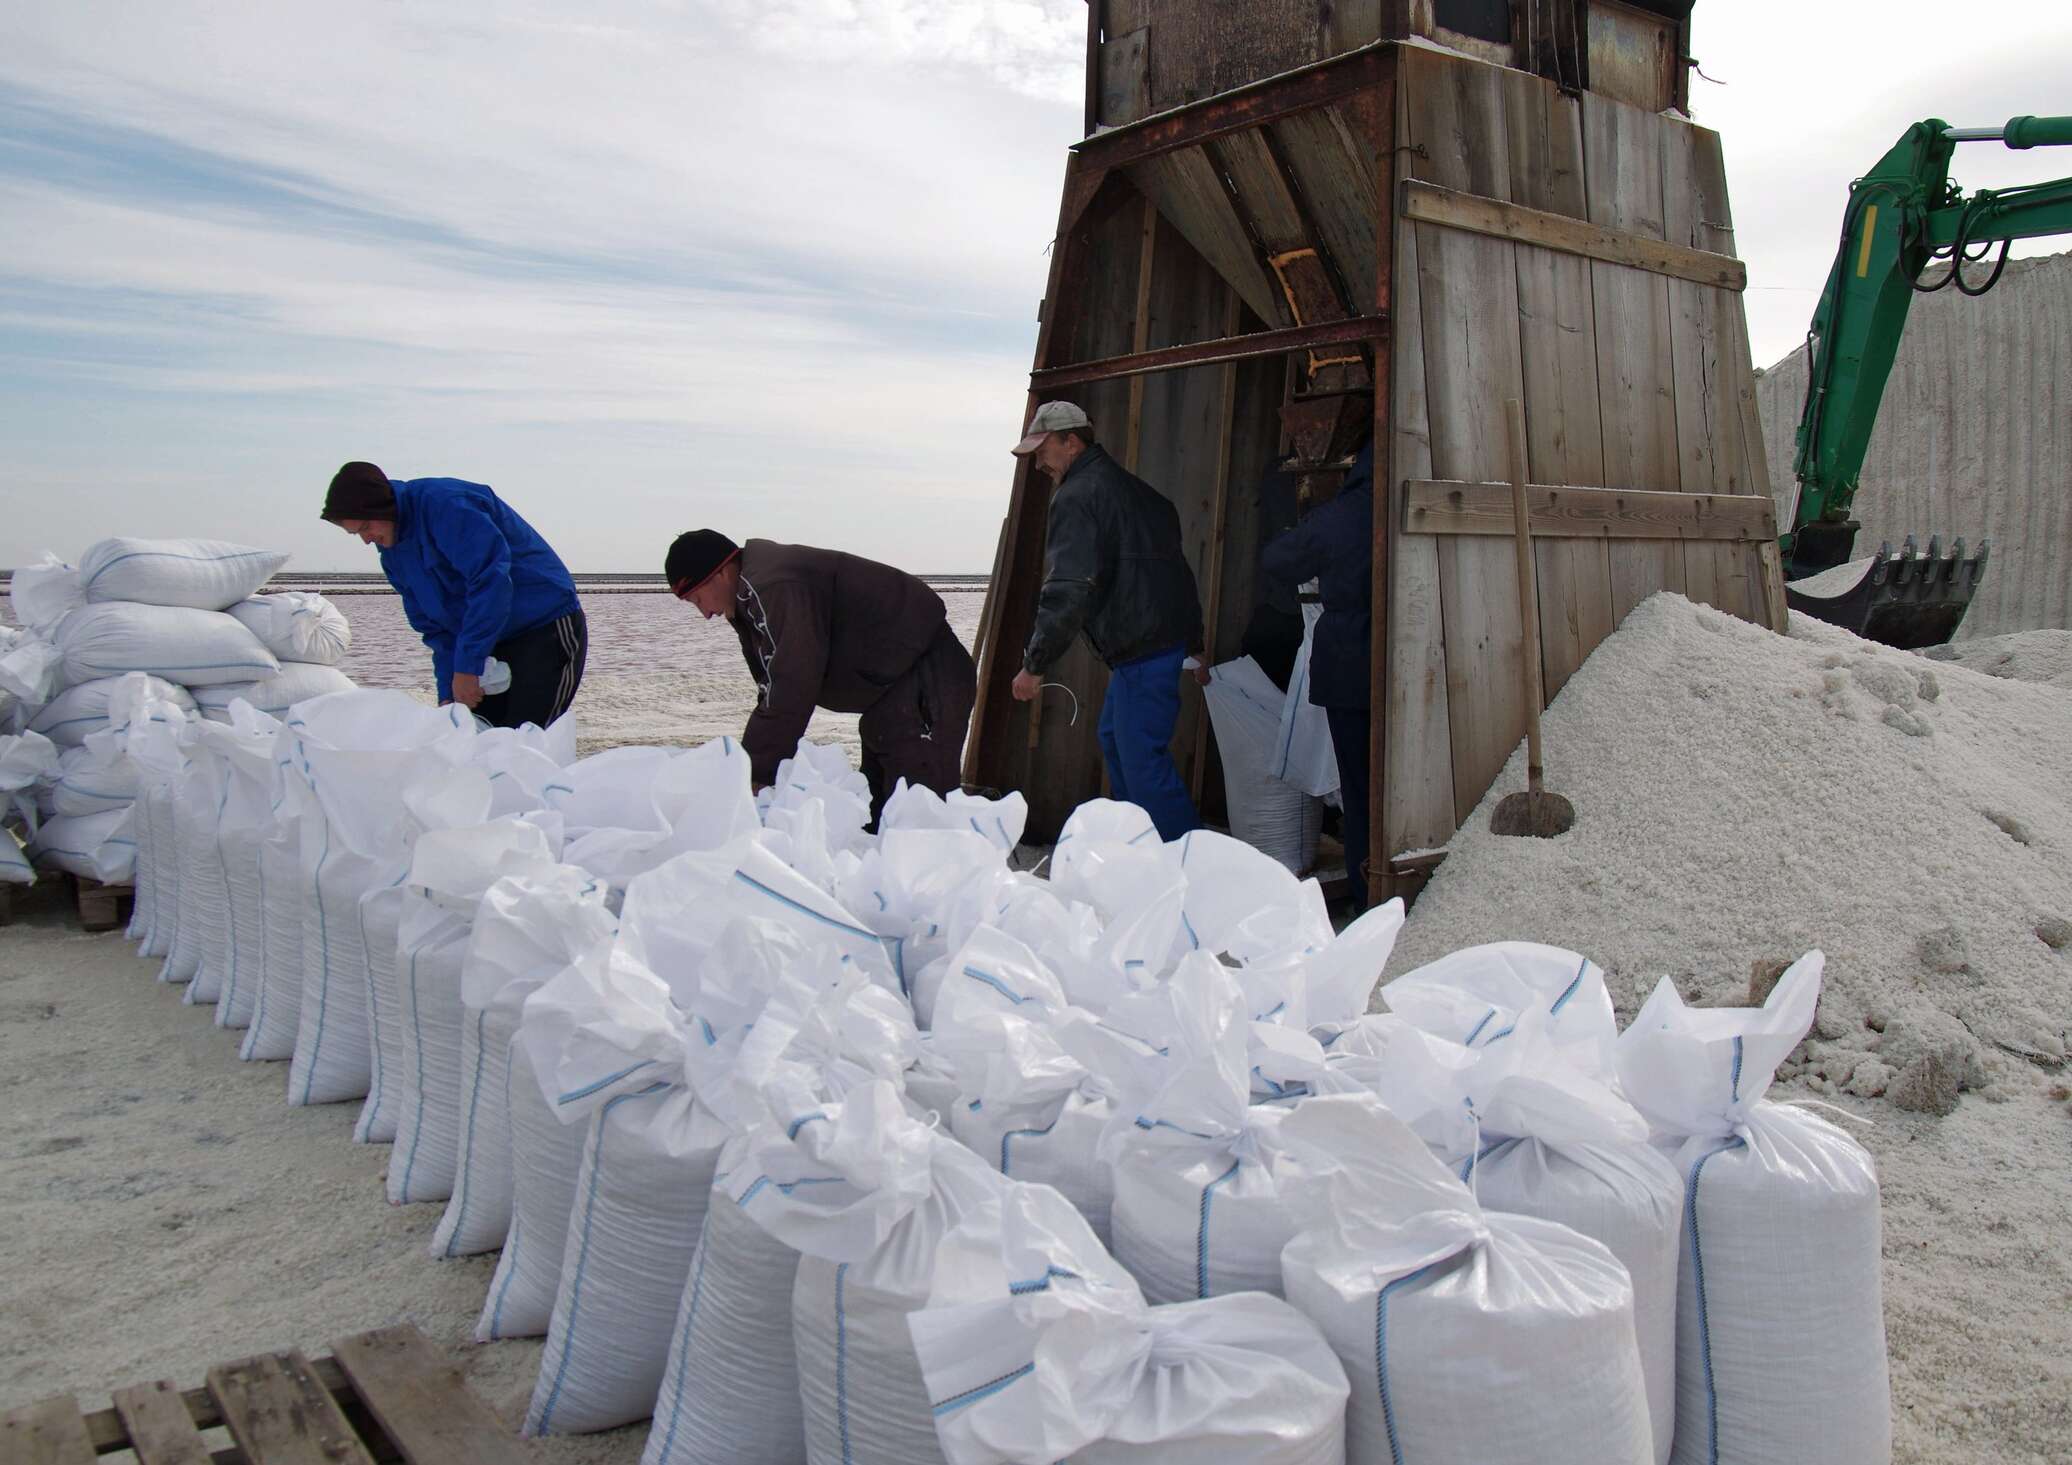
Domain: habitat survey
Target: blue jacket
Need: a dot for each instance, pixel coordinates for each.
(471, 573)
(1335, 546)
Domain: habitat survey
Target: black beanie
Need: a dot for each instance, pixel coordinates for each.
(694, 557)
(359, 491)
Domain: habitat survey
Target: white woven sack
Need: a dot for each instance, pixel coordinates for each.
(1780, 1323)
(1035, 1346)
(205, 574)
(527, 927)
(240, 843)
(205, 917)
(92, 846)
(380, 913)
(44, 593)
(277, 695)
(15, 868)
(860, 1382)
(90, 783)
(277, 1011)
(196, 648)
(297, 625)
(1054, 1143)
(77, 711)
(144, 911)
(646, 1177)
(546, 1156)
(155, 816)
(334, 1046)
(1276, 817)
(431, 1104)
(184, 944)
(1469, 1335)
(243, 752)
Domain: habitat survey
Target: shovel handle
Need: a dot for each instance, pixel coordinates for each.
(1528, 592)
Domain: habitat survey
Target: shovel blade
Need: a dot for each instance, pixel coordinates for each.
(1533, 815)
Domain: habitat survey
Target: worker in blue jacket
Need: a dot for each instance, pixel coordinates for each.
(477, 582)
(1334, 545)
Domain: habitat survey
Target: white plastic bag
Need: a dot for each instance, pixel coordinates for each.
(1782, 1237)
(277, 695)
(196, 648)
(277, 1011)
(45, 593)
(245, 822)
(1469, 1336)
(93, 783)
(1303, 754)
(1273, 815)
(78, 712)
(297, 625)
(92, 846)
(29, 668)
(1035, 1346)
(205, 574)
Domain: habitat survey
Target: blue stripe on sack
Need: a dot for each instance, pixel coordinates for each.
(1562, 1001)
(1735, 1077)
(468, 1145)
(1201, 1236)
(684, 1344)
(1196, 940)
(316, 1046)
(166, 554)
(514, 1246)
(1272, 1012)
(373, 1008)
(1023, 1133)
(1042, 1283)
(1698, 1276)
(1161, 1052)
(785, 1186)
(1150, 833)
(792, 1130)
(984, 1391)
(1469, 1040)
(416, 1032)
(1143, 1123)
(603, 1083)
(1467, 1166)
(1301, 688)
(1279, 1092)
(842, 1364)
(575, 1287)
(259, 1005)
(1381, 1358)
(1001, 987)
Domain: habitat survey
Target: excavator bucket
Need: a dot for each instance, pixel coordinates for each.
(1908, 599)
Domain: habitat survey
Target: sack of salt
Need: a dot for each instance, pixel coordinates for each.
(1781, 1225)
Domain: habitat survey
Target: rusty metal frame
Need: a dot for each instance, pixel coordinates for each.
(1357, 330)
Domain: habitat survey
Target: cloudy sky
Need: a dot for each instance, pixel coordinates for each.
(771, 265)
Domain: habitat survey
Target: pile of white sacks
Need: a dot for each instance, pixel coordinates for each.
(142, 629)
(851, 1148)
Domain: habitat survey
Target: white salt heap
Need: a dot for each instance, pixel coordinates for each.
(1743, 797)
(2026, 656)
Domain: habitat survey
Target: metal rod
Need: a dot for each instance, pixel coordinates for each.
(1358, 329)
(1975, 134)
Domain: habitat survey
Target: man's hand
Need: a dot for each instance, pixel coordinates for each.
(1027, 686)
(467, 690)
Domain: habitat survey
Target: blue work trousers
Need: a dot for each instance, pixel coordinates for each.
(1137, 720)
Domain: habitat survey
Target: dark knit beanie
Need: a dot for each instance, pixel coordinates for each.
(359, 491)
(695, 557)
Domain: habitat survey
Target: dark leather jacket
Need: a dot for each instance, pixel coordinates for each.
(1114, 568)
(1335, 546)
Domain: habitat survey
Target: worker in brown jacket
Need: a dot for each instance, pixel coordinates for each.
(820, 628)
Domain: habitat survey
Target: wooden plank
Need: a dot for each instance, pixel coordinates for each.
(1469, 294)
(161, 1431)
(1557, 341)
(1218, 547)
(49, 1432)
(1500, 220)
(418, 1396)
(1188, 190)
(1432, 506)
(1622, 151)
(1378, 123)
(1140, 337)
(106, 1429)
(1336, 172)
(280, 1414)
(1710, 577)
(1358, 329)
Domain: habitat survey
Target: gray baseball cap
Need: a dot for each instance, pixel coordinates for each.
(1052, 417)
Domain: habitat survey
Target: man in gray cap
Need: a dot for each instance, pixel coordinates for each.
(1114, 569)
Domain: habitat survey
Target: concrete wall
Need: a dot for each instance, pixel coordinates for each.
(1974, 438)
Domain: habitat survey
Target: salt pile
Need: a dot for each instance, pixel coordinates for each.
(1742, 797)
(2025, 656)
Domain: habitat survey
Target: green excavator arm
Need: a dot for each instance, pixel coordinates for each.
(1904, 218)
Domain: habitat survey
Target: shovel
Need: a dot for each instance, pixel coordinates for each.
(1534, 814)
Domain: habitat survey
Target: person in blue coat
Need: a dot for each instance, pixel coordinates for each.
(477, 582)
(1335, 546)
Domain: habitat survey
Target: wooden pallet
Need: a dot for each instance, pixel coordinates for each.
(382, 1396)
(101, 907)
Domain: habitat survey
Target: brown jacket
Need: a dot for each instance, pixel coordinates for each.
(820, 628)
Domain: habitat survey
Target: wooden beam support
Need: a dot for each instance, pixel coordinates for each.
(1213, 353)
(1301, 90)
(1434, 507)
(1430, 204)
